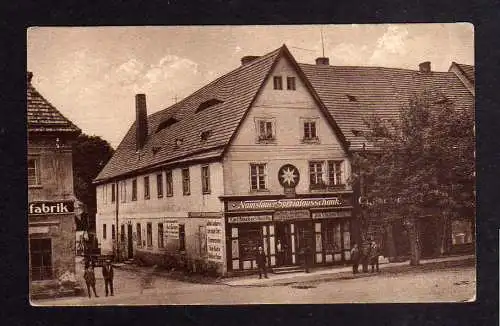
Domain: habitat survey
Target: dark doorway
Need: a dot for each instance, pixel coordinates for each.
(303, 239)
(130, 242)
(283, 256)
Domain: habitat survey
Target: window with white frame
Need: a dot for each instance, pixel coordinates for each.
(161, 242)
(290, 83)
(170, 185)
(113, 192)
(149, 234)
(266, 129)
(205, 179)
(123, 191)
(139, 234)
(159, 184)
(335, 173)
(258, 176)
(34, 171)
(310, 129)
(316, 174)
(146, 187)
(278, 82)
(134, 189)
(186, 182)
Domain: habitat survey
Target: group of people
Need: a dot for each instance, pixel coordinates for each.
(107, 274)
(365, 256)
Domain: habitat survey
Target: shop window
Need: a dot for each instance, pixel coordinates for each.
(335, 173)
(139, 234)
(258, 177)
(159, 184)
(182, 237)
(290, 83)
(134, 189)
(249, 238)
(149, 234)
(41, 259)
(186, 183)
(146, 187)
(277, 82)
(104, 232)
(332, 238)
(461, 232)
(170, 186)
(316, 174)
(205, 179)
(34, 171)
(161, 242)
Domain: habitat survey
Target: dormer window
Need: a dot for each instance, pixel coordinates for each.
(351, 98)
(207, 104)
(278, 82)
(165, 124)
(266, 130)
(205, 135)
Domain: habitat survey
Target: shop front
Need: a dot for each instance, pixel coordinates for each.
(287, 229)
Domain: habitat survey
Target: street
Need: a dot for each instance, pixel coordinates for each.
(450, 284)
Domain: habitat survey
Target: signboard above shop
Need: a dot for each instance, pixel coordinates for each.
(249, 219)
(277, 204)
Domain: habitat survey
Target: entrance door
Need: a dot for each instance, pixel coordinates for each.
(303, 239)
(130, 241)
(283, 235)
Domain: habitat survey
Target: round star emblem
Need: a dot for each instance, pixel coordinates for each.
(288, 176)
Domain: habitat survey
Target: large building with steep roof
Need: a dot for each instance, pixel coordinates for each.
(259, 157)
(51, 200)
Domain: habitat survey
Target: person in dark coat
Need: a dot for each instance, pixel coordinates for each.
(307, 258)
(89, 277)
(355, 255)
(365, 253)
(107, 274)
(261, 262)
(373, 256)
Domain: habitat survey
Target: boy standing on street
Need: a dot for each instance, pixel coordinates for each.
(89, 277)
(107, 274)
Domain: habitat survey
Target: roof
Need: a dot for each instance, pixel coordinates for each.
(353, 94)
(468, 71)
(347, 95)
(42, 116)
(237, 90)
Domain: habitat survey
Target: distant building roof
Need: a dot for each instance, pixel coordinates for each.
(466, 73)
(42, 116)
(347, 95)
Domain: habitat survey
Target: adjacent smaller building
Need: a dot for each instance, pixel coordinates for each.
(51, 200)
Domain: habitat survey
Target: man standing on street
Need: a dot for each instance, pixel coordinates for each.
(374, 253)
(107, 274)
(355, 258)
(261, 262)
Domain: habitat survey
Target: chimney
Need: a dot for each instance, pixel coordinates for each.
(248, 58)
(424, 67)
(29, 75)
(141, 122)
(322, 61)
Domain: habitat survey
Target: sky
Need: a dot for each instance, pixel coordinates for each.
(91, 74)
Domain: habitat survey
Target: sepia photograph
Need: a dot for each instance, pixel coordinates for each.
(265, 164)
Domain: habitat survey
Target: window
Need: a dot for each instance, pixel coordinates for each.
(170, 186)
(41, 259)
(159, 184)
(33, 171)
(134, 189)
(161, 243)
(113, 193)
(185, 182)
(278, 82)
(104, 232)
(332, 237)
(316, 174)
(123, 191)
(139, 234)
(310, 130)
(258, 177)
(122, 233)
(290, 83)
(146, 187)
(205, 179)
(335, 173)
(113, 232)
(249, 240)
(265, 129)
(149, 234)
(182, 237)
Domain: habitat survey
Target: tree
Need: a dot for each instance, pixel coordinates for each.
(421, 162)
(90, 155)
